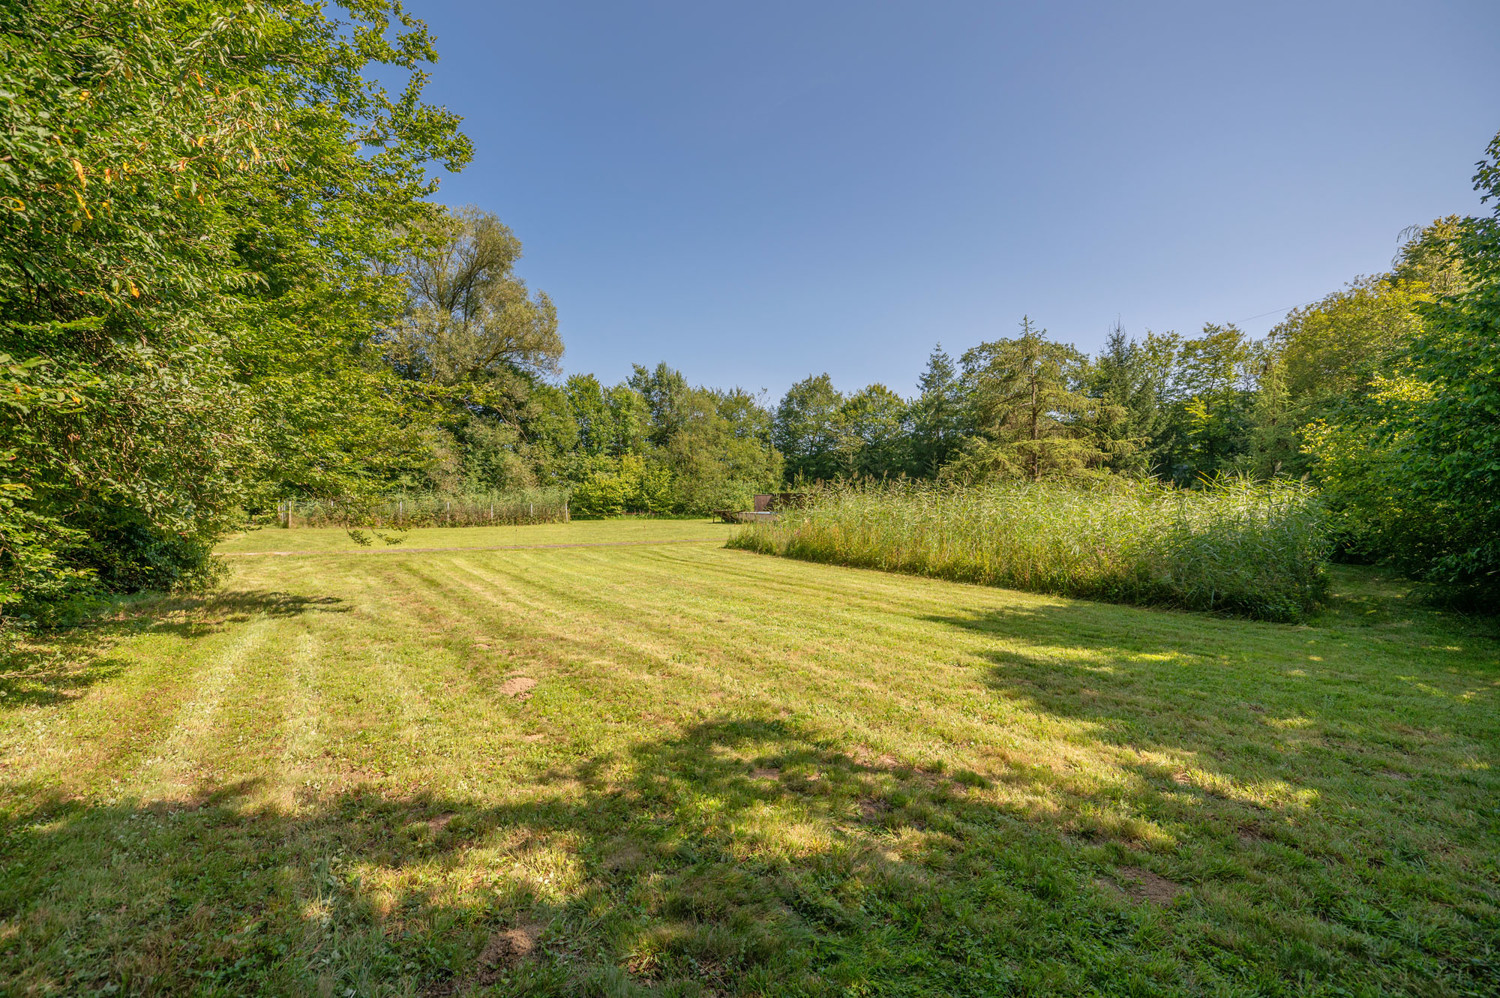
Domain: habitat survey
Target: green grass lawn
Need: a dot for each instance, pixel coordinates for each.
(680, 769)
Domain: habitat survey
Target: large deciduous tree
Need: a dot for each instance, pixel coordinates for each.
(1416, 472)
(806, 429)
(468, 317)
(190, 193)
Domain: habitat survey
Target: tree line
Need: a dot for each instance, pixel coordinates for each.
(224, 283)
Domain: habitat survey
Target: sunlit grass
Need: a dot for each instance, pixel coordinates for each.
(318, 540)
(1260, 550)
(741, 776)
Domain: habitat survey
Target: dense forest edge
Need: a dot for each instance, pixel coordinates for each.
(225, 286)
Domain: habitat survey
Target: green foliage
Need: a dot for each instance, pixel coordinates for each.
(414, 510)
(721, 453)
(824, 435)
(192, 193)
(661, 390)
(937, 416)
(1231, 546)
(806, 429)
(30, 569)
(629, 487)
(1033, 415)
(1209, 397)
(468, 319)
(1415, 474)
(1128, 416)
(1321, 365)
(873, 428)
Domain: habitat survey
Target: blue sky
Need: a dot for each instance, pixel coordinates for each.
(757, 192)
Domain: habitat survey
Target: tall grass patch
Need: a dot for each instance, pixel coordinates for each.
(1255, 549)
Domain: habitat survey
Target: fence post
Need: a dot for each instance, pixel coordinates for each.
(533, 511)
(492, 511)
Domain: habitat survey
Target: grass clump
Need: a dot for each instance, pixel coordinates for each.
(1255, 549)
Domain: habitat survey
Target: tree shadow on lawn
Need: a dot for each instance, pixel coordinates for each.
(741, 856)
(52, 666)
(1243, 745)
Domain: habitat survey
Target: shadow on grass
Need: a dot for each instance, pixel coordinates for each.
(1268, 720)
(1364, 763)
(61, 665)
(740, 856)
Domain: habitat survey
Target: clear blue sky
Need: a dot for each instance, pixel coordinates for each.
(758, 191)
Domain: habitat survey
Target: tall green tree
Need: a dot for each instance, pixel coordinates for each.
(468, 318)
(664, 390)
(721, 454)
(806, 429)
(1416, 476)
(938, 416)
(1209, 394)
(1034, 415)
(631, 417)
(591, 413)
(873, 433)
(1128, 418)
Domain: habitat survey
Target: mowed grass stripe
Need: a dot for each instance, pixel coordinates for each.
(100, 740)
(638, 667)
(379, 700)
(181, 765)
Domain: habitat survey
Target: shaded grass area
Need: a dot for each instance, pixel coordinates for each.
(735, 775)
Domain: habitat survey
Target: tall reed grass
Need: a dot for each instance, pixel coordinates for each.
(1258, 550)
(475, 509)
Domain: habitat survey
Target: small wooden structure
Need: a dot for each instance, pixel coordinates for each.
(766, 506)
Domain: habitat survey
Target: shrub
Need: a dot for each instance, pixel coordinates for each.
(633, 487)
(1259, 550)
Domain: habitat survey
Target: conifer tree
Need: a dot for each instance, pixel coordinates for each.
(1031, 408)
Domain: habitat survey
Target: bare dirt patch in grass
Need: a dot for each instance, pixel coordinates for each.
(1142, 885)
(1250, 834)
(506, 949)
(519, 687)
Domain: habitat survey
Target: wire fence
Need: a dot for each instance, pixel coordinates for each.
(497, 509)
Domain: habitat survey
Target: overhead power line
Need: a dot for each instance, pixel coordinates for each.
(1275, 311)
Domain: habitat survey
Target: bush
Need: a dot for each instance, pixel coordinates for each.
(1259, 550)
(632, 488)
